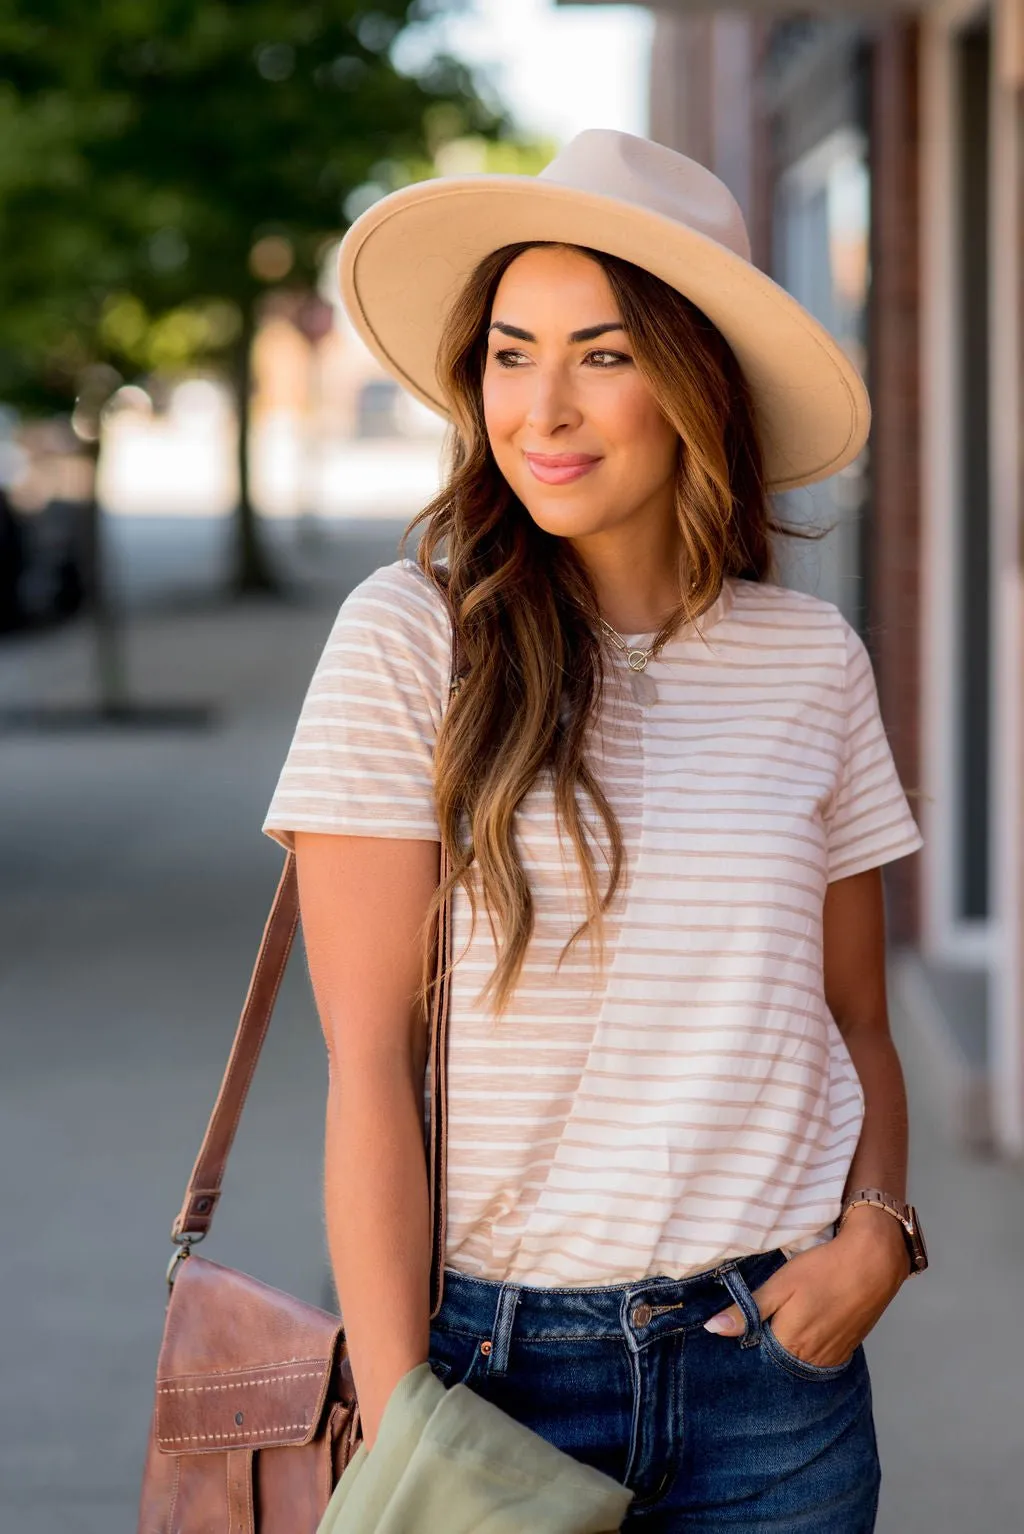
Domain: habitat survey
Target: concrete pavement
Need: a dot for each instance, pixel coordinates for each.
(133, 883)
(133, 886)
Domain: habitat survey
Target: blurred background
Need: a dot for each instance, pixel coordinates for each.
(198, 461)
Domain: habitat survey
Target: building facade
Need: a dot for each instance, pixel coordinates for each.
(877, 150)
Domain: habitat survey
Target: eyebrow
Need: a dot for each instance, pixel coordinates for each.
(591, 333)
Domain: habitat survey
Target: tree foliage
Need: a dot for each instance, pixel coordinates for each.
(146, 146)
(163, 161)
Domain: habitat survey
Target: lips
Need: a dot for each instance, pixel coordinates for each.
(560, 468)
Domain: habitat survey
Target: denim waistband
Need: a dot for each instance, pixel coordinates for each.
(485, 1306)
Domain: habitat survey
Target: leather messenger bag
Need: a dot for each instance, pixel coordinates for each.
(255, 1416)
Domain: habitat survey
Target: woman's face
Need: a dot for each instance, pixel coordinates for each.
(572, 425)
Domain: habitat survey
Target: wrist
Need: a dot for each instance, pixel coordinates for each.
(374, 1400)
(875, 1234)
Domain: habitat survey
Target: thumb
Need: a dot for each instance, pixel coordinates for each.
(727, 1323)
(731, 1322)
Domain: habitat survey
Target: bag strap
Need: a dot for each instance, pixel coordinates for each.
(204, 1185)
(437, 1162)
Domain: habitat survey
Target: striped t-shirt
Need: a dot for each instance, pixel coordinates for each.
(697, 1101)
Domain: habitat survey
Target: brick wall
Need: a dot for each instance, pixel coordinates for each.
(685, 114)
(893, 548)
(680, 111)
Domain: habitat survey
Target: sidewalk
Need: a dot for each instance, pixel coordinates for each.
(134, 882)
(133, 885)
(947, 1358)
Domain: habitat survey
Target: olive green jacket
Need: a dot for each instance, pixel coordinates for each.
(448, 1462)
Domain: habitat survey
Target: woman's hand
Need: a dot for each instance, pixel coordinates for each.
(824, 1301)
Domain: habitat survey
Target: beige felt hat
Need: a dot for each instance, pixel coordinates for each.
(403, 261)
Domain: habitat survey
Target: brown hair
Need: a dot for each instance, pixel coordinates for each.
(526, 610)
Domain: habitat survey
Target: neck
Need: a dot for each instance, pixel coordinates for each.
(636, 579)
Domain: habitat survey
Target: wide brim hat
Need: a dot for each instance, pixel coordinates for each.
(403, 261)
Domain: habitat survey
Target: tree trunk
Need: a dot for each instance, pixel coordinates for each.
(252, 567)
(108, 633)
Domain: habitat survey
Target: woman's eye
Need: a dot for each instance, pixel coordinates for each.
(509, 357)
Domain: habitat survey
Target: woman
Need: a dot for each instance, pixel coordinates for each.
(669, 793)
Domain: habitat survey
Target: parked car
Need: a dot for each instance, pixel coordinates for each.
(45, 579)
(44, 542)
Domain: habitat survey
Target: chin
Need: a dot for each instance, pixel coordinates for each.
(564, 519)
(566, 511)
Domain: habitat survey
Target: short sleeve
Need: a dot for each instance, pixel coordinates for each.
(868, 820)
(361, 757)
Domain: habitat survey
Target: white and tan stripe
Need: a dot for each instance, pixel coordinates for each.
(696, 1101)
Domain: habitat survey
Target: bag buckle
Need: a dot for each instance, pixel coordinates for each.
(183, 1245)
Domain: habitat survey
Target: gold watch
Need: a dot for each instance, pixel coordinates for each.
(905, 1213)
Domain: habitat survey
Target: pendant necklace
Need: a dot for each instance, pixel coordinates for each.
(643, 686)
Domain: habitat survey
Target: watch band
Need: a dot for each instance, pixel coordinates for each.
(917, 1252)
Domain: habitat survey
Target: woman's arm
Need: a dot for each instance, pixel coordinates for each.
(854, 964)
(833, 1294)
(364, 901)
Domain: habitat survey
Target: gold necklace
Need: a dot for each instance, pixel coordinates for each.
(635, 659)
(644, 689)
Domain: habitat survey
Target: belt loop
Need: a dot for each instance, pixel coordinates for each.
(733, 1279)
(501, 1336)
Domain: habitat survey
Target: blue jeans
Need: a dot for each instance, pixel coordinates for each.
(709, 1432)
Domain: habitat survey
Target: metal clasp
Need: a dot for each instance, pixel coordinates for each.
(184, 1245)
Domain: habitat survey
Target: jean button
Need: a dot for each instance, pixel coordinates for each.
(641, 1314)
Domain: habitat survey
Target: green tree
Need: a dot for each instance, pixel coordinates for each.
(163, 161)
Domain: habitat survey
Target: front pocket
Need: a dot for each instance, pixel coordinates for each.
(455, 1359)
(800, 1366)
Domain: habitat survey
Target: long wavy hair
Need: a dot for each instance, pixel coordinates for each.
(526, 611)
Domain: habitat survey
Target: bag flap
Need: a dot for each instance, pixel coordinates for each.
(242, 1365)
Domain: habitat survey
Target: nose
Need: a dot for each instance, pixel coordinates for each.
(552, 404)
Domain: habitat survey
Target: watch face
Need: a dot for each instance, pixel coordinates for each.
(917, 1243)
